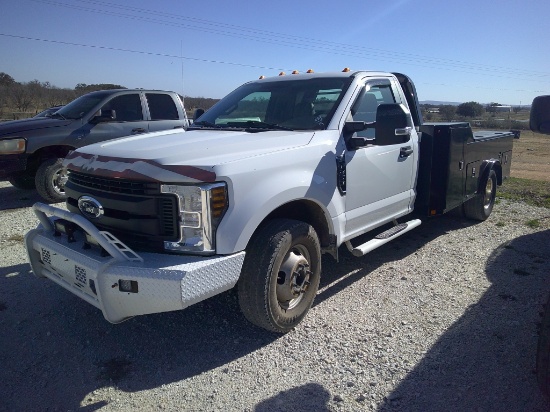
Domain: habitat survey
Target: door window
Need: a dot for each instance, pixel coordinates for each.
(364, 109)
(127, 107)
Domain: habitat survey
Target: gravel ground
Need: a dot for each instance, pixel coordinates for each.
(443, 319)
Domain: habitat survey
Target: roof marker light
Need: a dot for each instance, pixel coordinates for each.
(282, 74)
(295, 72)
(262, 77)
(347, 69)
(310, 71)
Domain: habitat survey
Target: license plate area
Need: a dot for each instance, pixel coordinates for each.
(70, 272)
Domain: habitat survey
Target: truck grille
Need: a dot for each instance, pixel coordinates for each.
(114, 185)
(136, 212)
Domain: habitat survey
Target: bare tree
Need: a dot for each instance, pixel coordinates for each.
(20, 97)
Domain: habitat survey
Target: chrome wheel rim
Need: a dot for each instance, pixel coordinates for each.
(488, 194)
(293, 277)
(58, 181)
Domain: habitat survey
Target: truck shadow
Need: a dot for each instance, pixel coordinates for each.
(13, 198)
(304, 398)
(487, 357)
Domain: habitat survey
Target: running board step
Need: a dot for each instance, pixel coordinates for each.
(383, 238)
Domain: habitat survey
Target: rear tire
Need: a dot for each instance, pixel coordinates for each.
(50, 180)
(481, 206)
(24, 181)
(280, 275)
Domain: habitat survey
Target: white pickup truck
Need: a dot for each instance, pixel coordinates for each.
(277, 173)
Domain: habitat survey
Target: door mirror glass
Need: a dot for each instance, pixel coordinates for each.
(392, 124)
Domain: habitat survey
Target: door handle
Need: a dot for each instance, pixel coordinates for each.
(406, 151)
(138, 130)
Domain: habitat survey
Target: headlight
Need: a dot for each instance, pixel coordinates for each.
(12, 146)
(201, 209)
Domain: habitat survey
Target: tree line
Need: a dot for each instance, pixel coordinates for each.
(24, 99)
(20, 100)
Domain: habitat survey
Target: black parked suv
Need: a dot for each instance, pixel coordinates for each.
(31, 151)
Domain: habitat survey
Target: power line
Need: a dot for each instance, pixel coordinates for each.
(204, 60)
(270, 37)
(139, 52)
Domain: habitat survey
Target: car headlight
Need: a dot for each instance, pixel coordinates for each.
(12, 146)
(201, 208)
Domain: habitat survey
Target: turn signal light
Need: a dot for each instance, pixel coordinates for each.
(130, 286)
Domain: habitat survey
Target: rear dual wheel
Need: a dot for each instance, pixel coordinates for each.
(280, 275)
(481, 205)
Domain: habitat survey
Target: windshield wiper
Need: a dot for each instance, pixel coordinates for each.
(56, 114)
(254, 125)
(206, 123)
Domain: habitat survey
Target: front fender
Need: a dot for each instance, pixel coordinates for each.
(255, 195)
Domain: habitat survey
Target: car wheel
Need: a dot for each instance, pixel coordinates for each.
(280, 275)
(50, 180)
(481, 206)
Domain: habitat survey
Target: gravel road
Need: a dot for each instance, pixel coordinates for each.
(443, 319)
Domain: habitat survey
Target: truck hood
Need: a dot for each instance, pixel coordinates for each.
(173, 156)
(27, 125)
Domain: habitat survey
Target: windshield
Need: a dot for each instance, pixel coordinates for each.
(288, 105)
(81, 106)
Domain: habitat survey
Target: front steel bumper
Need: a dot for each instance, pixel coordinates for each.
(161, 282)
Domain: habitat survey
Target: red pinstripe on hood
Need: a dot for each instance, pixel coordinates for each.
(134, 169)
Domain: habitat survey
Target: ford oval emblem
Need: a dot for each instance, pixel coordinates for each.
(90, 207)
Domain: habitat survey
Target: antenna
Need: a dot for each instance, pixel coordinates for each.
(182, 82)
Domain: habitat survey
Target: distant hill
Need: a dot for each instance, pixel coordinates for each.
(439, 103)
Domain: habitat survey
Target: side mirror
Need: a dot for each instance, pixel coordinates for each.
(352, 127)
(539, 120)
(393, 124)
(198, 113)
(104, 115)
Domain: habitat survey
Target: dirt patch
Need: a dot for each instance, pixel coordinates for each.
(531, 157)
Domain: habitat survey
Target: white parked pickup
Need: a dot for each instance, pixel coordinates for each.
(277, 173)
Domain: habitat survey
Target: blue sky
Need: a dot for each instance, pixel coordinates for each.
(469, 50)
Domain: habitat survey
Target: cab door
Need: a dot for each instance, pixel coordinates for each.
(129, 120)
(379, 178)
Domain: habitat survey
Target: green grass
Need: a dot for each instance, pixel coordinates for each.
(533, 223)
(532, 192)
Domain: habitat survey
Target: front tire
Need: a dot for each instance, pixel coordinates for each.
(280, 275)
(50, 180)
(481, 206)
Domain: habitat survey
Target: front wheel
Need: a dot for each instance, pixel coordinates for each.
(50, 180)
(481, 205)
(280, 275)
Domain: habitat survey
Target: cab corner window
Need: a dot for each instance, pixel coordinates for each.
(161, 106)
